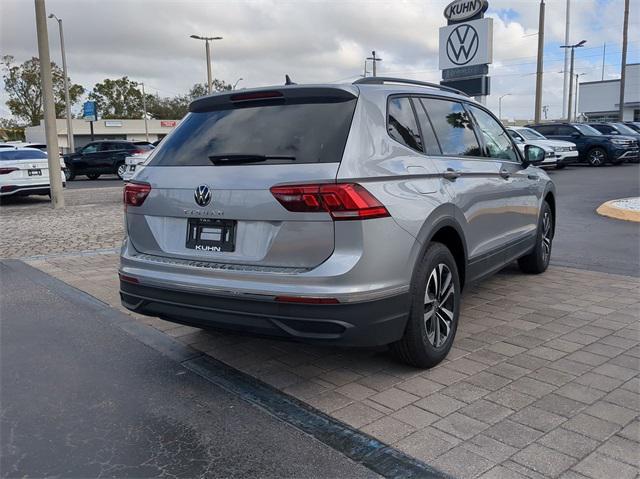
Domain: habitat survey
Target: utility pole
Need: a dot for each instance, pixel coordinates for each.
(573, 48)
(208, 57)
(565, 86)
(604, 53)
(500, 106)
(144, 109)
(538, 101)
(625, 32)
(51, 133)
(373, 59)
(70, 142)
(575, 109)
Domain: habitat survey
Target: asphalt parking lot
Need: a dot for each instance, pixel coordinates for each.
(542, 380)
(105, 181)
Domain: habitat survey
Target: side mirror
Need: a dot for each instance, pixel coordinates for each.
(576, 134)
(614, 132)
(533, 155)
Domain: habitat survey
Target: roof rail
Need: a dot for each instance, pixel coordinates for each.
(381, 80)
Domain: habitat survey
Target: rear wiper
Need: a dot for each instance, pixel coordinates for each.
(245, 158)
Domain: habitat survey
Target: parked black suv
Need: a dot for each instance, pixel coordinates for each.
(593, 147)
(101, 157)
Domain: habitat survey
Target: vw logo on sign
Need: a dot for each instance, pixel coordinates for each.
(202, 195)
(462, 44)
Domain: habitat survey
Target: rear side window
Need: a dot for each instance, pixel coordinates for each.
(305, 132)
(11, 155)
(453, 127)
(546, 130)
(402, 125)
(565, 130)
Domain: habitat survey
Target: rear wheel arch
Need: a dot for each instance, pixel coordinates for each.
(452, 238)
(551, 200)
(446, 230)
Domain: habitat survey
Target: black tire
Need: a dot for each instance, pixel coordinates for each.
(560, 166)
(537, 261)
(421, 345)
(597, 157)
(93, 176)
(121, 169)
(69, 174)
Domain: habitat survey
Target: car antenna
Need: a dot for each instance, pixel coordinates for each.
(287, 80)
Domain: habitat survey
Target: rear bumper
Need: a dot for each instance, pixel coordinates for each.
(371, 323)
(25, 190)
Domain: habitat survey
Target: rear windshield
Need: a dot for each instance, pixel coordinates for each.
(303, 132)
(11, 155)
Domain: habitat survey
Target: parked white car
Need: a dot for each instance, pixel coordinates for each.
(565, 151)
(25, 171)
(135, 163)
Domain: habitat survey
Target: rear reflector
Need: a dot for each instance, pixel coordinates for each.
(6, 171)
(306, 300)
(128, 279)
(258, 95)
(343, 201)
(135, 193)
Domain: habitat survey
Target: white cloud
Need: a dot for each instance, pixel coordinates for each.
(313, 41)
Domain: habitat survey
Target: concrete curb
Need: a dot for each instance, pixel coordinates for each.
(610, 210)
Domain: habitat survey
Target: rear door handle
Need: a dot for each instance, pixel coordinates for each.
(452, 174)
(505, 173)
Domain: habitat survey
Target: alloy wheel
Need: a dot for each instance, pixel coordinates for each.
(439, 300)
(596, 158)
(122, 169)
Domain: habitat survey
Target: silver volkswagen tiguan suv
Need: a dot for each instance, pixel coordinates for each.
(348, 214)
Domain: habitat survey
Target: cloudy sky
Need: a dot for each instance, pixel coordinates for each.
(313, 41)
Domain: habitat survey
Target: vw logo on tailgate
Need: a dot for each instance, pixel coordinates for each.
(462, 44)
(202, 195)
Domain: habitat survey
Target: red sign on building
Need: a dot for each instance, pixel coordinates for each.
(168, 123)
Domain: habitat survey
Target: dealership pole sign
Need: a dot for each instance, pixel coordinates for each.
(466, 47)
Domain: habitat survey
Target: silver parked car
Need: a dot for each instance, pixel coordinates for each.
(346, 214)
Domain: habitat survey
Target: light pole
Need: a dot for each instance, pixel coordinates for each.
(67, 100)
(538, 99)
(236, 83)
(500, 105)
(208, 53)
(48, 103)
(573, 48)
(373, 59)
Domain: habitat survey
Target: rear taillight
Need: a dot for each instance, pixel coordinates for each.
(135, 193)
(343, 201)
(138, 152)
(6, 171)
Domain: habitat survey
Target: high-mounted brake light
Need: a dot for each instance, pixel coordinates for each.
(6, 171)
(258, 95)
(343, 201)
(135, 193)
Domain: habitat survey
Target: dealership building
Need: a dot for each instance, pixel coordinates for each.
(600, 100)
(132, 130)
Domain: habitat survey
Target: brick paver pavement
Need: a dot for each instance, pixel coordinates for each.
(92, 220)
(542, 381)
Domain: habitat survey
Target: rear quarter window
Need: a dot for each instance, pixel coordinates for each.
(311, 132)
(402, 124)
